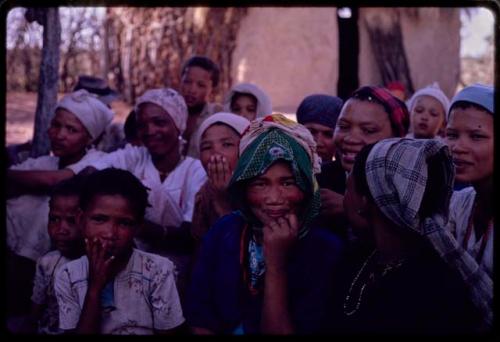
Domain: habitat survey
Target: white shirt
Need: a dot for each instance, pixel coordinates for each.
(145, 296)
(461, 206)
(27, 215)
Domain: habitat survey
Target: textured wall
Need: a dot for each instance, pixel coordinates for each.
(289, 52)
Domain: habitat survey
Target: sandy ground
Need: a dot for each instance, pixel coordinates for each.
(20, 116)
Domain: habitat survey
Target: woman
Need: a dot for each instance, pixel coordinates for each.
(470, 137)
(248, 100)
(219, 140)
(264, 268)
(397, 196)
(79, 120)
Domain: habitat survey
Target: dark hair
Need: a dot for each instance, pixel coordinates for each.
(113, 181)
(467, 105)
(206, 64)
(130, 126)
(68, 187)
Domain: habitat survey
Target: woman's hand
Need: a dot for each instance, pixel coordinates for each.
(100, 265)
(219, 173)
(279, 237)
(331, 203)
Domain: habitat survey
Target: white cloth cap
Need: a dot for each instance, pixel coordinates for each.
(434, 91)
(239, 123)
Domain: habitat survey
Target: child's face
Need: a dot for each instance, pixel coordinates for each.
(68, 137)
(63, 227)
(470, 137)
(221, 140)
(323, 136)
(245, 106)
(427, 117)
(196, 86)
(111, 220)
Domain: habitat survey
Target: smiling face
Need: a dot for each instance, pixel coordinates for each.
(323, 136)
(63, 228)
(68, 137)
(360, 123)
(157, 130)
(220, 139)
(244, 105)
(112, 220)
(427, 117)
(196, 86)
(470, 137)
(275, 193)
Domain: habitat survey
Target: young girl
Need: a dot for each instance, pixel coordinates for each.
(115, 288)
(67, 238)
(248, 100)
(199, 76)
(219, 140)
(428, 108)
(79, 120)
(265, 268)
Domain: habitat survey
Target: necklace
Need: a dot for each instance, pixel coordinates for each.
(370, 279)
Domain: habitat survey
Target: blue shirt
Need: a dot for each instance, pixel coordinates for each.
(220, 301)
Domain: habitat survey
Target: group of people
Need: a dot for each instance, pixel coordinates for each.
(366, 216)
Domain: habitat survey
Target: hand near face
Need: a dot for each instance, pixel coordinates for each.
(219, 173)
(279, 236)
(331, 203)
(100, 263)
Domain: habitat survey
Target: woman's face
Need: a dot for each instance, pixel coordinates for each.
(323, 136)
(360, 123)
(220, 139)
(157, 130)
(68, 137)
(245, 106)
(470, 137)
(275, 193)
(427, 117)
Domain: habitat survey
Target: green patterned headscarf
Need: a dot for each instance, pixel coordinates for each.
(277, 139)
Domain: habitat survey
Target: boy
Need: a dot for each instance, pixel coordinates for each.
(115, 288)
(199, 76)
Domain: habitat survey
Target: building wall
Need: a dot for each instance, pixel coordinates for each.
(289, 52)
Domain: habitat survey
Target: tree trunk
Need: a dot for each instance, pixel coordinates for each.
(49, 75)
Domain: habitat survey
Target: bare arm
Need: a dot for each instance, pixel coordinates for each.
(22, 182)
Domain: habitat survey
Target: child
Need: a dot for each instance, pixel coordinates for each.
(115, 288)
(200, 75)
(67, 238)
(428, 108)
(248, 100)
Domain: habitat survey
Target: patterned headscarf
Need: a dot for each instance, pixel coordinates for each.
(397, 174)
(91, 112)
(321, 109)
(398, 113)
(268, 140)
(171, 101)
(264, 106)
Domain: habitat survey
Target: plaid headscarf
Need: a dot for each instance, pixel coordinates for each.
(398, 113)
(268, 140)
(397, 173)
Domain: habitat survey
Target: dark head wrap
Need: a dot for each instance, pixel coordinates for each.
(321, 109)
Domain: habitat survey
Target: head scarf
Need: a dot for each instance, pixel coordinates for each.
(434, 91)
(398, 113)
(171, 101)
(397, 173)
(263, 101)
(479, 94)
(321, 109)
(237, 122)
(268, 140)
(91, 112)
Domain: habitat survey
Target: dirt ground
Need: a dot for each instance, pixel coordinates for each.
(20, 116)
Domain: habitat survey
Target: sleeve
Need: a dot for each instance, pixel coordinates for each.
(198, 226)
(195, 180)
(165, 302)
(40, 285)
(125, 159)
(40, 163)
(69, 308)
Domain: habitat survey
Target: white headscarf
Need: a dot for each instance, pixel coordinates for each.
(264, 106)
(171, 101)
(91, 112)
(239, 123)
(434, 91)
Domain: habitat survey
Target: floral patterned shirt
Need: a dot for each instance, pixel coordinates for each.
(145, 296)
